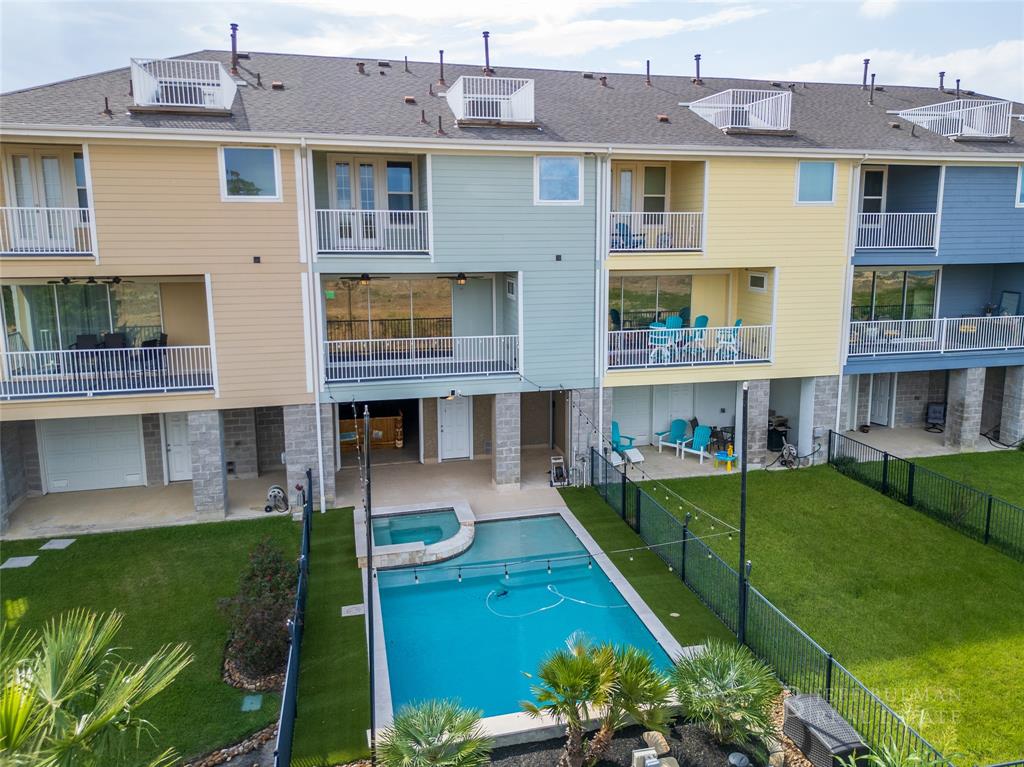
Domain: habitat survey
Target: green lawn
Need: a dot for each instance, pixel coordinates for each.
(1000, 473)
(167, 582)
(929, 619)
(334, 712)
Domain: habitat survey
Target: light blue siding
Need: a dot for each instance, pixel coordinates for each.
(912, 189)
(909, 362)
(980, 223)
(472, 308)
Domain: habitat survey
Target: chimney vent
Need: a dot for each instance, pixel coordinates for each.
(406, 63)
(897, 126)
(588, 75)
(942, 78)
(423, 117)
(864, 82)
(958, 87)
(440, 130)
(697, 80)
(871, 93)
(277, 85)
(487, 55)
(384, 64)
(106, 107)
(410, 99)
(440, 80)
(776, 85)
(604, 81)
(259, 80)
(663, 118)
(648, 71)
(234, 49)
(361, 67)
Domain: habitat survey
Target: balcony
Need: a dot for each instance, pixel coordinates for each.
(964, 118)
(689, 347)
(488, 100)
(181, 84)
(380, 359)
(652, 232)
(896, 230)
(37, 231)
(89, 372)
(872, 338)
(372, 231)
(742, 110)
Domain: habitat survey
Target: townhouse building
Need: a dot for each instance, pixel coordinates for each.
(210, 265)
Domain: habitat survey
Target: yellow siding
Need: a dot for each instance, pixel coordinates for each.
(686, 186)
(710, 296)
(159, 213)
(752, 307)
(752, 221)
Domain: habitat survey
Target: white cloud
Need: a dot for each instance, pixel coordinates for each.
(877, 9)
(995, 70)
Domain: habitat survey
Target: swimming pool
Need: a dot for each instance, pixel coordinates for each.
(426, 527)
(473, 640)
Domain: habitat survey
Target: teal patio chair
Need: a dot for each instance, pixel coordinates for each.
(693, 345)
(659, 344)
(620, 440)
(698, 444)
(674, 437)
(727, 342)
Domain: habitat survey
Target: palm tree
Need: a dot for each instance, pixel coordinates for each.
(435, 733)
(66, 698)
(728, 691)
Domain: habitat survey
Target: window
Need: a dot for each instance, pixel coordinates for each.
(388, 308)
(399, 177)
(635, 301)
(558, 181)
(1020, 187)
(757, 282)
(510, 289)
(816, 183)
(654, 189)
(873, 197)
(250, 173)
(893, 294)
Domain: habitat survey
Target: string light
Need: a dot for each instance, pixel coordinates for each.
(415, 575)
(506, 571)
(460, 575)
(590, 563)
(549, 567)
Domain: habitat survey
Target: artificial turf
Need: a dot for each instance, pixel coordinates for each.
(1000, 473)
(929, 619)
(167, 583)
(333, 698)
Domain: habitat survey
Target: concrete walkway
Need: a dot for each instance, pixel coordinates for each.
(913, 442)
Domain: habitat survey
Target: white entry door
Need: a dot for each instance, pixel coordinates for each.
(880, 398)
(92, 453)
(179, 454)
(455, 427)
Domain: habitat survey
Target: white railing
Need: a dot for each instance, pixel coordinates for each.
(743, 108)
(182, 83)
(982, 118)
(496, 99)
(47, 231)
(949, 334)
(657, 347)
(86, 372)
(401, 231)
(896, 230)
(655, 231)
(387, 358)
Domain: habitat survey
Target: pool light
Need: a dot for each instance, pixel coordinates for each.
(506, 571)
(549, 567)
(460, 575)
(416, 575)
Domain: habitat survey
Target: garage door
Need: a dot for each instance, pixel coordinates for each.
(92, 453)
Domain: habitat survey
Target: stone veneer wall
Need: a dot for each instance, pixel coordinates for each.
(428, 428)
(1011, 424)
(757, 419)
(153, 449)
(13, 487)
(992, 401)
(300, 448)
(240, 443)
(209, 479)
(914, 390)
(963, 407)
(506, 426)
(269, 438)
(30, 458)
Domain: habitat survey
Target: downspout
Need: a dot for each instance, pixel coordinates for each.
(312, 327)
(601, 292)
(851, 246)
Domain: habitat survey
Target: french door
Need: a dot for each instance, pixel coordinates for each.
(375, 197)
(38, 179)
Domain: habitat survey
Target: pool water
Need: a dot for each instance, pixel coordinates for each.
(427, 526)
(475, 640)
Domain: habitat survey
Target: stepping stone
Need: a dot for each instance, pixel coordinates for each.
(14, 562)
(656, 741)
(57, 544)
(349, 610)
(252, 703)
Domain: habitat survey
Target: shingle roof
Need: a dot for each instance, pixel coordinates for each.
(327, 96)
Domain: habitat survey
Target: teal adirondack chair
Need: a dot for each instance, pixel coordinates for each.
(698, 444)
(620, 440)
(674, 437)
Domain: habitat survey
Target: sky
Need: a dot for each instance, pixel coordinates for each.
(908, 41)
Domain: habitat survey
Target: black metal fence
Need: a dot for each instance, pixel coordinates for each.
(800, 662)
(979, 515)
(289, 698)
(417, 327)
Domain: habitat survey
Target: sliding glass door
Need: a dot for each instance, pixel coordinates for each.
(635, 301)
(388, 308)
(894, 294)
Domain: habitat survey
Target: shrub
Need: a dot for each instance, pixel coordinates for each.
(435, 733)
(259, 613)
(729, 692)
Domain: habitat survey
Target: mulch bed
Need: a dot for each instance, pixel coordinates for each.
(689, 744)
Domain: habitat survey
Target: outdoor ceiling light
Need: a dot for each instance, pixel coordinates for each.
(453, 394)
(460, 278)
(364, 279)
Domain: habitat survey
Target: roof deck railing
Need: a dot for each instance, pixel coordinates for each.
(182, 83)
(963, 118)
(744, 109)
(492, 99)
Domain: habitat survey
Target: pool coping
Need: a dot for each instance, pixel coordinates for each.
(519, 727)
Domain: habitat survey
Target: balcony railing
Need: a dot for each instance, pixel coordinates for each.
(741, 108)
(896, 230)
(949, 334)
(373, 231)
(968, 118)
(655, 231)
(182, 83)
(492, 99)
(45, 231)
(88, 372)
(688, 347)
(390, 358)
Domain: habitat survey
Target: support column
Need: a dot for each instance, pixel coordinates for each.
(826, 404)
(300, 448)
(963, 407)
(13, 484)
(1011, 422)
(505, 422)
(209, 478)
(154, 448)
(240, 443)
(757, 419)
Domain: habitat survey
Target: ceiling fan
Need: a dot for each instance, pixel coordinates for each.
(461, 278)
(89, 281)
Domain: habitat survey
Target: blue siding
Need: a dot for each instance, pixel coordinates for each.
(912, 189)
(965, 290)
(980, 223)
(1008, 277)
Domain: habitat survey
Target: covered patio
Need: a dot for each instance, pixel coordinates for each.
(914, 442)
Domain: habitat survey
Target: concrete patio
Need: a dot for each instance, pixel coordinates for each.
(667, 465)
(130, 508)
(914, 442)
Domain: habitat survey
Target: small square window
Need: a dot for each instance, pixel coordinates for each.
(757, 282)
(816, 183)
(249, 173)
(558, 181)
